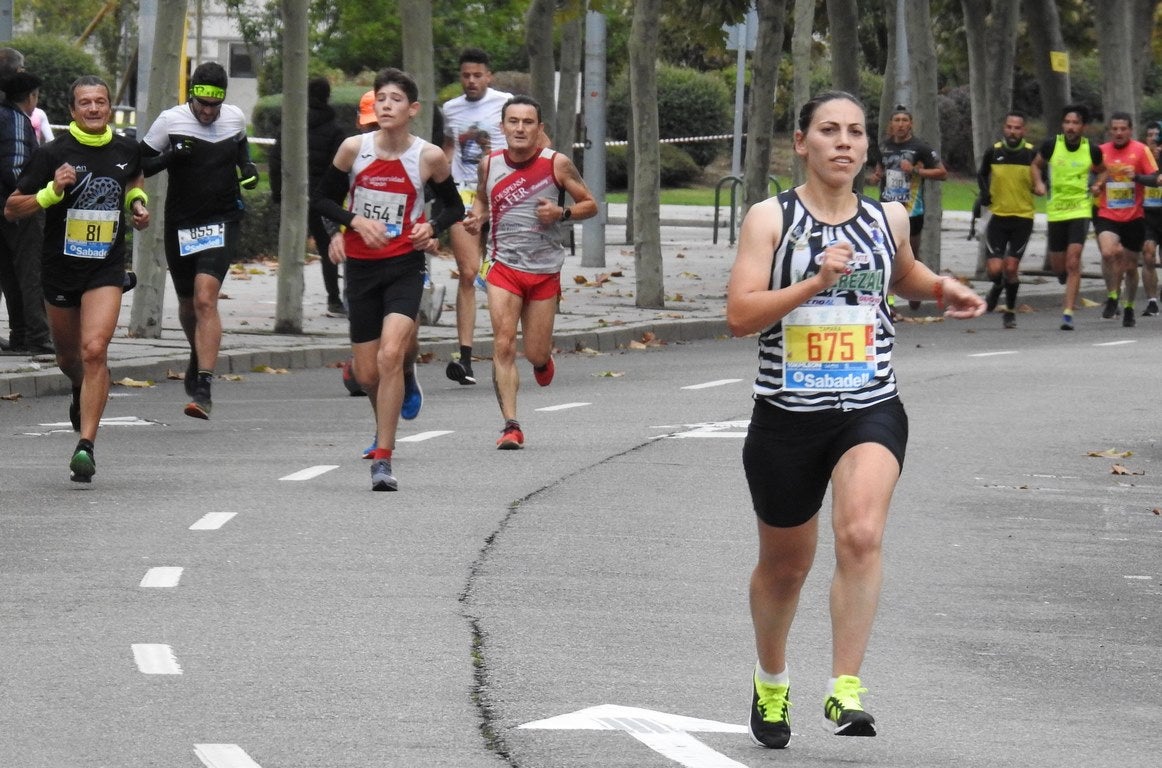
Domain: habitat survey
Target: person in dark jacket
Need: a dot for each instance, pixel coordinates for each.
(323, 139)
(20, 241)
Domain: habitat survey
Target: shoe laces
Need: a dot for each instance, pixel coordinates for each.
(773, 701)
(847, 691)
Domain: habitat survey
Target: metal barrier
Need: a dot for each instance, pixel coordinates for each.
(735, 183)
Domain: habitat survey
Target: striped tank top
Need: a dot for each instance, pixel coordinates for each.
(861, 294)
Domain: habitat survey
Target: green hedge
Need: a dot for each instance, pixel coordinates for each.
(57, 62)
(678, 168)
(690, 103)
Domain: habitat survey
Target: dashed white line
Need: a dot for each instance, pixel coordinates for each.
(162, 577)
(310, 472)
(223, 756)
(563, 406)
(1123, 342)
(708, 384)
(994, 354)
(155, 659)
(422, 436)
(212, 521)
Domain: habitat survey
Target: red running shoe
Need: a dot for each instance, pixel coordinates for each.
(544, 376)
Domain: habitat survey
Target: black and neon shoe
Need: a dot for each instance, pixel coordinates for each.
(83, 466)
(770, 718)
(845, 715)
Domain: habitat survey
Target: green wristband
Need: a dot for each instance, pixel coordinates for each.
(48, 196)
(133, 195)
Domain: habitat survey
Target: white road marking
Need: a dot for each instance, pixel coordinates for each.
(155, 659)
(212, 521)
(310, 472)
(666, 734)
(1123, 342)
(422, 436)
(108, 421)
(563, 406)
(223, 756)
(718, 383)
(1139, 578)
(165, 576)
(714, 429)
(994, 354)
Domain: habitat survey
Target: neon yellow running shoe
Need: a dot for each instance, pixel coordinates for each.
(844, 713)
(770, 720)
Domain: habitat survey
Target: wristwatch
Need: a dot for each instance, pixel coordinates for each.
(566, 213)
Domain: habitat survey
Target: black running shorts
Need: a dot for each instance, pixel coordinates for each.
(211, 261)
(788, 456)
(377, 288)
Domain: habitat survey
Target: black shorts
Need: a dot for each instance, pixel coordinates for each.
(1154, 224)
(211, 261)
(1007, 236)
(788, 457)
(1131, 233)
(377, 288)
(64, 285)
(1062, 234)
(915, 225)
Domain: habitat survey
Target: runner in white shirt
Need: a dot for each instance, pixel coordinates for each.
(471, 130)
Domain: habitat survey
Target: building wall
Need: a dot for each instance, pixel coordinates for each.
(221, 41)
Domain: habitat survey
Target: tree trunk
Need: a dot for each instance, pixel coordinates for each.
(1112, 23)
(761, 117)
(801, 42)
(539, 44)
(992, 46)
(1141, 54)
(1055, 87)
(292, 231)
(643, 79)
(572, 48)
(926, 119)
(419, 60)
(843, 21)
(888, 94)
(149, 245)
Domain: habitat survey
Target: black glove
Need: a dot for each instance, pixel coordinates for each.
(249, 179)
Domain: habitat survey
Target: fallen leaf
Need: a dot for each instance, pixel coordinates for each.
(679, 255)
(1157, 511)
(586, 351)
(11, 398)
(636, 345)
(455, 274)
(580, 279)
(610, 374)
(616, 273)
(256, 271)
(647, 337)
(232, 377)
(690, 275)
(1111, 453)
(425, 357)
(173, 375)
(1089, 302)
(267, 369)
(134, 383)
(677, 297)
(1118, 469)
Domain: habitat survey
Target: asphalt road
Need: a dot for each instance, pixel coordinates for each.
(315, 623)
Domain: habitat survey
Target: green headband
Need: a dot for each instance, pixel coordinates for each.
(208, 91)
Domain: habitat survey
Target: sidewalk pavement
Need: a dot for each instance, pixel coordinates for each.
(597, 312)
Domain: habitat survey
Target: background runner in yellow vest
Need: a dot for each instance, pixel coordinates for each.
(1061, 170)
(1006, 189)
(1152, 207)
